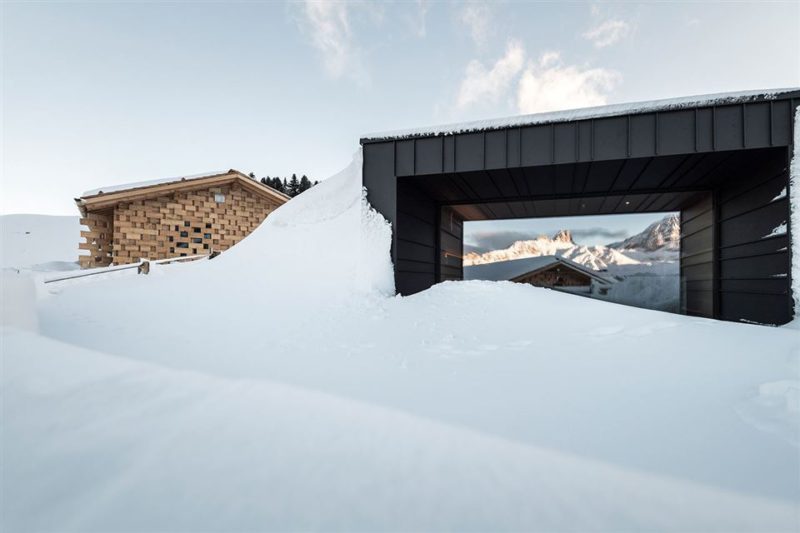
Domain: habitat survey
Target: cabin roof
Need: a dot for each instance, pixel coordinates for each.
(104, 197)
(517, 268)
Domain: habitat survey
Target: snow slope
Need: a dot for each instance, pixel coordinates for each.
(271, 390)
(39, 242)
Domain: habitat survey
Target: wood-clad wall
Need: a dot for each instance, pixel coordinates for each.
(178, 225)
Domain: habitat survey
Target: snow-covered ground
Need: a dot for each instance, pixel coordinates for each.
(39, 242)
(282, 386)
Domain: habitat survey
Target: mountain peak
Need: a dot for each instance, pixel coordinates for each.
(563, 235)
(665, 233)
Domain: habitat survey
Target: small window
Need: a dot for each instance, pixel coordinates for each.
(194, 250)
(208, 225)
(172, 250)
(219, 198)
(177, 228)
(186, 223)
(206, 235)
(183, 255)
(184, 234)
(205, 246)
(196, 230)
(183, 245)
(170, 238)
(197, 240)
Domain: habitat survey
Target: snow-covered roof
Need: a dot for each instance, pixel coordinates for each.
(508, 270)
(149, 183)
(584, 113)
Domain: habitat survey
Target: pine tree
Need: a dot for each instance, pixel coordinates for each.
(305, 183)
(293, 187)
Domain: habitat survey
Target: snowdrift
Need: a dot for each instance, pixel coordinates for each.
(282, 386)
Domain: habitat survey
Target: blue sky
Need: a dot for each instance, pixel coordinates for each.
(102, 93)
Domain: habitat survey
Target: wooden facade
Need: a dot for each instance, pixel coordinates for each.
(557, 275)
(175, 219)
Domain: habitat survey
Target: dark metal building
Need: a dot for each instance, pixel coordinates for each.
(722, 161)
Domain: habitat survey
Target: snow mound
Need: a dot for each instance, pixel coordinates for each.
(39, 242)
(326, 241)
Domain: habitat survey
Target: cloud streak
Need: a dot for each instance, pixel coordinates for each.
(549, 85)
(607, 33)
(329, 28)
(488, 84)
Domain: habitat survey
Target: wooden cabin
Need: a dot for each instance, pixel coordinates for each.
(545, 271)
(169, 218)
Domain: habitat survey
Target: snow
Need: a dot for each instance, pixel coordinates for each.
(150, 183)
(584, 113)
(283, 386)
(39, 242)
(780, 229)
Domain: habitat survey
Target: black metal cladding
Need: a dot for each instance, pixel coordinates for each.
(724, 167)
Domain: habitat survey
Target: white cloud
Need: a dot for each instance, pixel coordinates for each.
(608, 32)
(482, 84)
(330, 33)
(419, 24)
(477, 18)
(549, 85)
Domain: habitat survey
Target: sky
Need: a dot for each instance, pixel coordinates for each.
(96, 93)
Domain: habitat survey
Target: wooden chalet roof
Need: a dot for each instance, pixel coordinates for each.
(107, 197)
(519, 268)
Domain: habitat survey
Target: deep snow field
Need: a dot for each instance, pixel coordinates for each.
(282, 386)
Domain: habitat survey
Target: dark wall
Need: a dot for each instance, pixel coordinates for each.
(451, 245)
(416, 236)
(697, 257)
(754, 266)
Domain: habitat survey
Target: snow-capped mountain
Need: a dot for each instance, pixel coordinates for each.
(561, 244)
(662, 235)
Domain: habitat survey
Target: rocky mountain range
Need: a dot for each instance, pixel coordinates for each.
(663, 235)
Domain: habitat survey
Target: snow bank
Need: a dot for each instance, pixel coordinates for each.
(329, 241)
(39, 242)
(104, 444)
(282, 386)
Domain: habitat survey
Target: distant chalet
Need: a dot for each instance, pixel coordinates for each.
(174, 217)
(544, 271)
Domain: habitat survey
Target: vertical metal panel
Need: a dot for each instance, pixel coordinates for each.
(610, 138)
(379, 178)
(469, 152)
(757, 120)
(404, 158)
(565, 143)
(496, 149)
(704, 130)
(585, 140)
(513, 147)
(643, 135)
(728, 128)
(782, 118)
(428, 157)
(537, 145)
(676, 132)
(449, 150)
